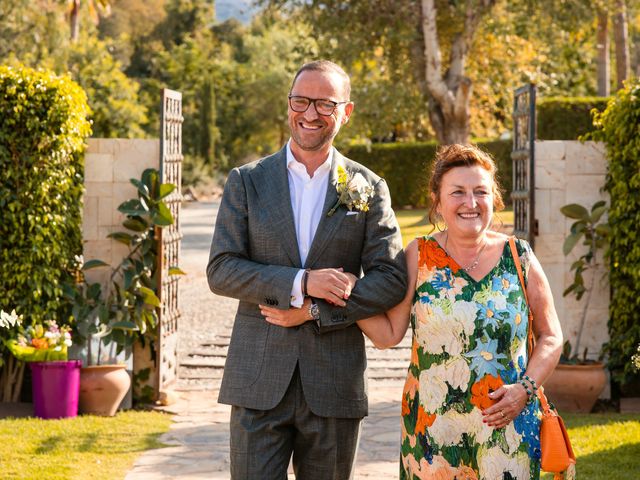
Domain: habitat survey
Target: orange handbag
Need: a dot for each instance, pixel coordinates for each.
(556, 452)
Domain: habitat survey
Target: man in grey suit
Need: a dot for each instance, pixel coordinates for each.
(295, 369)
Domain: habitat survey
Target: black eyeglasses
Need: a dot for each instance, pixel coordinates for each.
(323, 107)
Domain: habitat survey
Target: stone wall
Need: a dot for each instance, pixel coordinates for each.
(570, 172)
(109, 164)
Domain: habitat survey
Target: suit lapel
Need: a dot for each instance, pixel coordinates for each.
(327, 225)
(271, 181)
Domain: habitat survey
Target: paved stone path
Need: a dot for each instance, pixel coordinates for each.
(199, 435)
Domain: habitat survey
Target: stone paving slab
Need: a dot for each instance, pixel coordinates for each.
(198, 440)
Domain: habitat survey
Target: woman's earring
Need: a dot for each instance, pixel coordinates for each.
(439, 221)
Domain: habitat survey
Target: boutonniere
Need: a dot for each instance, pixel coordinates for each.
(354, 191)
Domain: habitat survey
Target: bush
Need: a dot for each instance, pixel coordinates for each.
(42, 132)
(619, 127)
(407, 166)
(566, 118)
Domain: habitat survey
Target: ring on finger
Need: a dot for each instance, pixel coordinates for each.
(502, 413)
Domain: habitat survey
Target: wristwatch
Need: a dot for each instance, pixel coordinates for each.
(314, 310)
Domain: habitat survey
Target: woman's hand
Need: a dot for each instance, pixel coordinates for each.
(287, 318)
(511, 400)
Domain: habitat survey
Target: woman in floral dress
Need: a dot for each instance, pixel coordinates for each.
(467, 408)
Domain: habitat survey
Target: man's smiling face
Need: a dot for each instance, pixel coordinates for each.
(309, 130)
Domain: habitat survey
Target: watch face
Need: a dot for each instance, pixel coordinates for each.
(315, 311)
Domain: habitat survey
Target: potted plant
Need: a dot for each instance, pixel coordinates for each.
(55, 379)
(577, 381)
(123, 313)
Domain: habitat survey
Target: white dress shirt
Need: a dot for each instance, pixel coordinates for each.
(307, 199)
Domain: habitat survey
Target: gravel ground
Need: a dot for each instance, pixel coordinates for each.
(204, 314)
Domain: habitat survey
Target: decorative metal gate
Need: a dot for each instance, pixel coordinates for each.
(169, 239)
(523, 157)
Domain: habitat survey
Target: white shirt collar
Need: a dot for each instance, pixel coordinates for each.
(291, 160)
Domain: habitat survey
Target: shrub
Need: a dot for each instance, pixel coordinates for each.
(42, 132)
(619, 127)
(566, 118)
(406, 167)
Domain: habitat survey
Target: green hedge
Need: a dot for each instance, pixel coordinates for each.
(42, 131)
(619, 127)
(406, 167)
(566, 118)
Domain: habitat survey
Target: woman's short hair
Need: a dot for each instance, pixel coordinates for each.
(449, 157)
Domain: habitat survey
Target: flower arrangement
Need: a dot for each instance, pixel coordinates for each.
(635, 361)
(353, 191)
(36, 343)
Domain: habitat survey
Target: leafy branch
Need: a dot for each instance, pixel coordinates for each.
(126, 311)
(594, 233)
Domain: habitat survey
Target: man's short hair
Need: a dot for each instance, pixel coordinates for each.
(329, 67)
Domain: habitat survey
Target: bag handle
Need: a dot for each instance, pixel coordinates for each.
(516, 260)
(544, 403)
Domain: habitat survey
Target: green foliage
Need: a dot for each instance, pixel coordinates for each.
(619, 127)
(594, 233)
(566, 118)
(42, 133)
(113, 97)
(126, 311)
(406, 167)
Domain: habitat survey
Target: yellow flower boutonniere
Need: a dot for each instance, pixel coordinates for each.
(354, 192)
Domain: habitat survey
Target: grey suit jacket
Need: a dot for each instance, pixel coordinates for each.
(254, 258)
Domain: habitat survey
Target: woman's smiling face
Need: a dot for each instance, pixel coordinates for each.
(466, 200)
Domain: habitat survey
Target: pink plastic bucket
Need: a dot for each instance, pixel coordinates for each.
(55, 388)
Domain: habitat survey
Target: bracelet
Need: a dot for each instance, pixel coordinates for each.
(305, 276)
(534, 386)
(527, 389)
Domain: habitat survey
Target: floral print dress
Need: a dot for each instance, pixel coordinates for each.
(469, 338)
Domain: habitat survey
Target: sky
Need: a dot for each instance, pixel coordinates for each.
(240, 9)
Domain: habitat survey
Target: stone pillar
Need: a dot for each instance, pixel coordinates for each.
(570, 172)
(109, 165)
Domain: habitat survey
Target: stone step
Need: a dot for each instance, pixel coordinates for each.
(387, 374)
(219, 342)
(217, 362)
(208, 352)
(216, 374)
(210, 374)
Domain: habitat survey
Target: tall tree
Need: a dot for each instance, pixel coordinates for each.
(449, 94)
(604, 69)
(95, 8)
(621, 38)
(409, 33)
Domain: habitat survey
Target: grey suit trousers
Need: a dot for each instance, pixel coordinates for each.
(262, 441)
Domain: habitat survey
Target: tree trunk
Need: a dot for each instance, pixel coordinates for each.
(74, 20)
(602, 38)
(449, 96)
(621, 36)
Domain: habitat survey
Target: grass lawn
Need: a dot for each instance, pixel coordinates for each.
(414, 223)
(86, 447)
(607, 446)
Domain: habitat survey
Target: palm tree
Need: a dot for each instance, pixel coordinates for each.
(96, 8)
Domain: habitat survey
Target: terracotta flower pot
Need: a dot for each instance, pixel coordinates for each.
(575, 388)
(102, 388)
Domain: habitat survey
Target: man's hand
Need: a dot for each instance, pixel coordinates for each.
(330, 284)
(287, 318)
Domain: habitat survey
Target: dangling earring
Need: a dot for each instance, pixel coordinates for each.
(440, 220)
